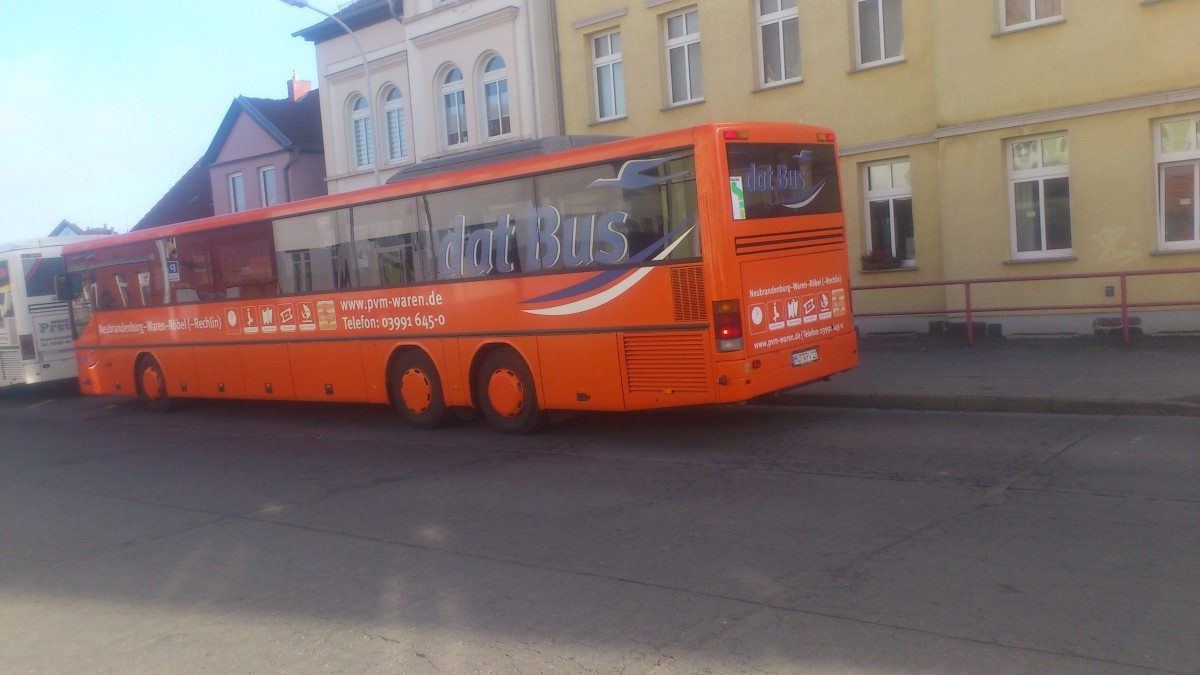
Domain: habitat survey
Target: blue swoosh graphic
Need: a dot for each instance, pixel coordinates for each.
(605, 278)
(805, 198)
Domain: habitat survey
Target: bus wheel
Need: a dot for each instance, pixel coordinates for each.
(506, 395)
(151, 384)
(417, 391)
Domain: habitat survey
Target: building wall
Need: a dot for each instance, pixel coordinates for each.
(414, 56)
(1104, 75)
(247, 150)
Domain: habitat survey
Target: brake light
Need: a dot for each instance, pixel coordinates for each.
(27, 351)
(727, 323)
(826, 137)
(735, 135)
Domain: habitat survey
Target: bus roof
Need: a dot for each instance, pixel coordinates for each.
(48, 242)
(500, 153)
(470, 167)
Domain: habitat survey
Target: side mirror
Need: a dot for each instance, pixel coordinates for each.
(68, 287)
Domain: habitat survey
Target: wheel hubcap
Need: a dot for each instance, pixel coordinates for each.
(506, 393)
(416, 390)
(152, 384)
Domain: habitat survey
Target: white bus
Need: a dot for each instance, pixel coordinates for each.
(35, 327)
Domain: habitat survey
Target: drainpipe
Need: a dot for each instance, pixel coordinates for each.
(562, 115)
(287, 176)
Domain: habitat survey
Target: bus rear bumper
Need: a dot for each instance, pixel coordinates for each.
(783, 369)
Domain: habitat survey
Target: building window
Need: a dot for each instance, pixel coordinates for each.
(880, 31)
(1015, 14)
(301, 263)
(609, 74)
(495, 98)
(267, 186)
(454, 108)
(237, 193)
(684, 75)
(779, 41)
(1040, 197)
(361, 134)
(397, 125)
(1177, 153)
(888, 211)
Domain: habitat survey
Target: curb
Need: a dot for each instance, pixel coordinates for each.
(999, 404)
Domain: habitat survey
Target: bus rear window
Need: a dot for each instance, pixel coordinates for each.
(40, 273)
(769, 180)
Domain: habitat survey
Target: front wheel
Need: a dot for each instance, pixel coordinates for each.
(416, 391)
(152, 384)
(506, 394)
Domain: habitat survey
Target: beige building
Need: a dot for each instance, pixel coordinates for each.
(445, 76)
(980, 139)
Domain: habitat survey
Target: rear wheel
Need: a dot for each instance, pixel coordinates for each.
(152, 384)
(506, 394)
(416, 391)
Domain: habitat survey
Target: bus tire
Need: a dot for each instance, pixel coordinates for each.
(152, 384)
(416, 391)
(506, 394)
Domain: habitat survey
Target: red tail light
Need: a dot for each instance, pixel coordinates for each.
(727, 324)
(27, 351)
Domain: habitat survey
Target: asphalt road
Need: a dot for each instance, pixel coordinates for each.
(247, 537)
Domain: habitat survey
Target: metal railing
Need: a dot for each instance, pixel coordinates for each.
(970, 309)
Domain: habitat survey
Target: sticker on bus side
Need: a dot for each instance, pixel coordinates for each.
(738, 195)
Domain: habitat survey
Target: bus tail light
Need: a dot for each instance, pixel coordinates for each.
(826, 137)
(735, 135)
(27, 352)
(727, 322)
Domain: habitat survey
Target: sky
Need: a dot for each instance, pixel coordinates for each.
(104, 104)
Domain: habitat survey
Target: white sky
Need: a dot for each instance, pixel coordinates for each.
(104, 104)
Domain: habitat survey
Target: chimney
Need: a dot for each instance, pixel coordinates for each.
(298, 88)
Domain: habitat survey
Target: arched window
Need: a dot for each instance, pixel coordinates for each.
(360, 132)
(397, 126)
(454, 108)
(495, 97)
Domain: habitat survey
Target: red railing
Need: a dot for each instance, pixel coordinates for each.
(969, 309)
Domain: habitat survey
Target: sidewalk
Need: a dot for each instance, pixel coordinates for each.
(1081, 375)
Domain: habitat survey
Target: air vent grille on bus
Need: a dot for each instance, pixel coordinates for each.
(11, 367)
(822, 238)
(687, 293)
(675, 362)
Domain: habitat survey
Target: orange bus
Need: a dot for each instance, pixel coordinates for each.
(703, 265)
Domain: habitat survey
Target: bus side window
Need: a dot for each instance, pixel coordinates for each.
(311, 252)
(391, 248)
(488, 219)
(244, 261)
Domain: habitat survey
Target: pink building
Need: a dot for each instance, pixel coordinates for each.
(266, 151)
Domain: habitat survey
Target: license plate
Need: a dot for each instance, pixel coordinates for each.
(804, 357)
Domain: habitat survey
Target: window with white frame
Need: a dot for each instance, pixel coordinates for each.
(361, 135)
(266, 185)
(495, 99)
(887, 209)
(879, 29)
(684, 75)
(397, 124)
(237, 193)
(778, 42)
(1177, 154)
(454, 109)
(1016, 14)
(1040, 197)
(609, 76)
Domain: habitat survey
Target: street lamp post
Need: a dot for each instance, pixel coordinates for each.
(370, 97)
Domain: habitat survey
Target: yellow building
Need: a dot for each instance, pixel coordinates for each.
(981, 139)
